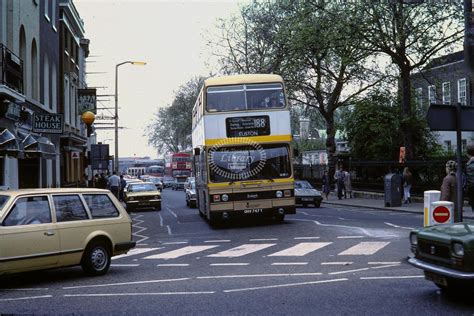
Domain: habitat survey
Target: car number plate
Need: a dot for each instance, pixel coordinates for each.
(306, 199)
(253, 211)
(436, 278)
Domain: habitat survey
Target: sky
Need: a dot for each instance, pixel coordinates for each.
(170, 36)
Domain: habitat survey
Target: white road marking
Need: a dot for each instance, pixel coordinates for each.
(348, 271)
(336, 263)
(229, 264)
(259, 275)
(364, 248)
(125, 265)
(136, 221)
(141, 245)
(362, 230)
(289, 263)
(396, 226)
(173, 265)
(135, 251)
(385, 262)
(304, 238)
(123, 283)
(300, 249)
(172, 213)
(26, 289)
(173, 254)
(240, 250)
(169, 229)
(264, 239)
(349, 237)
(393, 277)
(175, 243)
(283, 285)
(222, 240)
(138, 294)
(24, 298)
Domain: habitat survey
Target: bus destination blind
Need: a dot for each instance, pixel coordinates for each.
(248, 126)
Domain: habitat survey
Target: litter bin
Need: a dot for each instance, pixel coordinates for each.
(392, 184)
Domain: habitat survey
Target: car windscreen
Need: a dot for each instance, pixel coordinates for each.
(245, 97)
(243, 163)
(141, 187)
(303, 185)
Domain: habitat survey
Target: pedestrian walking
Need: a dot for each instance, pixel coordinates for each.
(347, 185)
(448, 188)
(326, 184)
(339, 177)
(102, 181)
(114, 184)
(123, 183)
(407, 183)
(470, 175)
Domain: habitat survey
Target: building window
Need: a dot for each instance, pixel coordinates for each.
(419, 97)
(46, 10)
(432, 94)
(447, 145)
(66, 101)
(46, 92)
(54, 89)
(446, 93)
(462, 91)
(464, 144)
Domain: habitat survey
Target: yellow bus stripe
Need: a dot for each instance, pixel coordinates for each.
(226, 184)
(244, 140)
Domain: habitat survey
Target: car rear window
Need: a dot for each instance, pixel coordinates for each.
(101, 206)
(3, 200)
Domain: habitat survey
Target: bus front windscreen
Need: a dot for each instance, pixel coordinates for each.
(245, 97)
(245, 163)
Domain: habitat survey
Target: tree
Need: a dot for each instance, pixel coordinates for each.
(410, 33)
(324, 66)
(170, 130)
(377, 118)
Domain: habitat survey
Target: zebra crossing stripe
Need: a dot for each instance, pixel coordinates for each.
(180, 252)
(135, 251)
(240, 250)
(364, 248)
(300, 249)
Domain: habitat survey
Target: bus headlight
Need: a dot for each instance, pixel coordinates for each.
(458, 249)
(225, 198)
(279, 194)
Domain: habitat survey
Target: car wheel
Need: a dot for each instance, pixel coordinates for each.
(305, 205)
(96, 258)
(187, 203)
(317, 204)
(193, 204)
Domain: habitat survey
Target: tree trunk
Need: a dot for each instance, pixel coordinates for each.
(331, 144)
(405, 93)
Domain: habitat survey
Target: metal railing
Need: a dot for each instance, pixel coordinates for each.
(11, 69)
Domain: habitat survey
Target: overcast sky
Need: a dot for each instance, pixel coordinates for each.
(168, 35)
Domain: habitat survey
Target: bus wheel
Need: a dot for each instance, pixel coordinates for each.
(280, 218)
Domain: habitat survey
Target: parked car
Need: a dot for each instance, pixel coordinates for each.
(157, 182)
(188, 182)
(305, 194)
(446, 254)
(142, 195)
(191, 194)
(53, 228)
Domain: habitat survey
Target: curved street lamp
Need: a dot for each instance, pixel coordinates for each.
(137, 63)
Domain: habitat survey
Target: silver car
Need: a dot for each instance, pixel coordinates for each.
(191, 194)
(305, 194)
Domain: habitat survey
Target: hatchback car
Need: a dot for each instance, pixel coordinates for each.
(446, 254)
(52, 228)
(191, 194)
(142, 195)
(305, 194)
(157, 182)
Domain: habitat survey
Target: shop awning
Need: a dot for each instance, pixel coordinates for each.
(9, 145)
(37, 146)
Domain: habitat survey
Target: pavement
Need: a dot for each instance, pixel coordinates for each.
(376, 201)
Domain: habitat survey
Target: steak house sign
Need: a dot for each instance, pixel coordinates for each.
(48, 123)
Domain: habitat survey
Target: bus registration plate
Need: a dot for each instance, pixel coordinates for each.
(253, 211)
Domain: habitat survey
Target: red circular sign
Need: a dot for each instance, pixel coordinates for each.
(441, 214)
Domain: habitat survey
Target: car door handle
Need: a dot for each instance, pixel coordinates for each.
(49, 233)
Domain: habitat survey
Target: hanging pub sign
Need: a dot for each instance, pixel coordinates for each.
(48, 123)
(87, 100)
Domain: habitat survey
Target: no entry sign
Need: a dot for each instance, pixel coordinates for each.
(441, 214)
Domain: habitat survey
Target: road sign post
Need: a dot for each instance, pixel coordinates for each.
(442, 213)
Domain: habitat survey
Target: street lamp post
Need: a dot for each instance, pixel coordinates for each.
(138, 63)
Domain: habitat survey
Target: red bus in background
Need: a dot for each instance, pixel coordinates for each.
(179, 167)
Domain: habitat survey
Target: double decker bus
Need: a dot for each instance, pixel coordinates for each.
(242, 148)
(179, 167)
